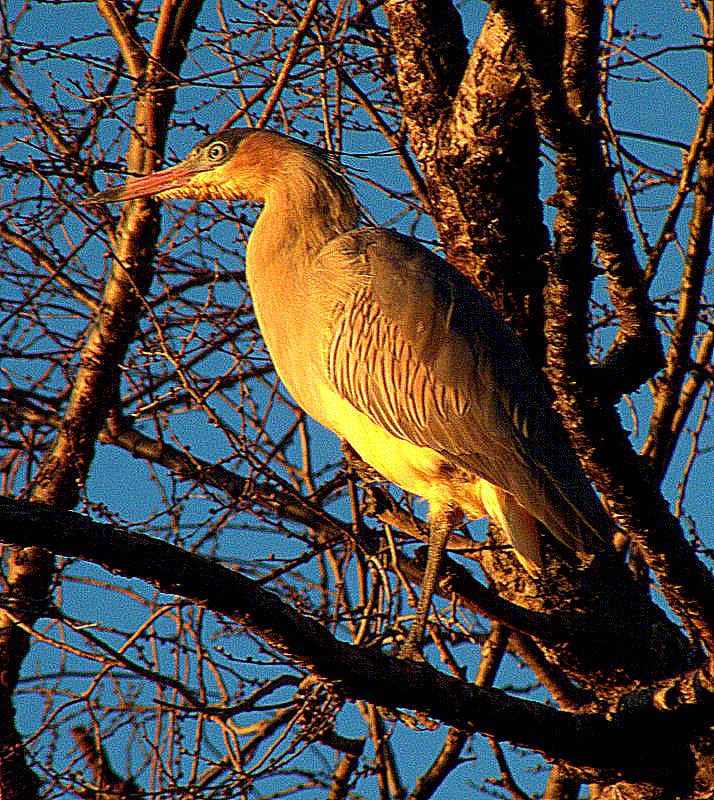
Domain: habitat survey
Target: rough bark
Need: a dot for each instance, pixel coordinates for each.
(472, 129)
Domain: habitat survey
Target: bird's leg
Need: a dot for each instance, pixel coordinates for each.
(443, 521)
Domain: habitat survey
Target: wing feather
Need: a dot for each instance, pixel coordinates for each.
(414, 346)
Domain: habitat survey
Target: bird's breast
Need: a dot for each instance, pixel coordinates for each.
(416, 469)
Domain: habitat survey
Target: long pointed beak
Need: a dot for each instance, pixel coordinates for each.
(149, 185)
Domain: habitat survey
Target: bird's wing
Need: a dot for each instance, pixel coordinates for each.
(414, 346)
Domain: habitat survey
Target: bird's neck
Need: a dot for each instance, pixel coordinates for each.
(299, 218)
(302, 211)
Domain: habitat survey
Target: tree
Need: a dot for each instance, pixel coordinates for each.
(237, 639)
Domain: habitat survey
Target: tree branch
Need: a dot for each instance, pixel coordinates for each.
(478, 148)
(109, 785)
(134, 55)
(432, 55)
(565, 101)
(639, 741)
(637, 506)
(663, 434)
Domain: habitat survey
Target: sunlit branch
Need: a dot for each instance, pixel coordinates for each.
(594, 739)
(662, 437)
(134, 55)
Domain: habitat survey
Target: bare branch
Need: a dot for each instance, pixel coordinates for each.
(591, 739)
(662, 437)
(566, 112)
(131, 49)
(108, 784)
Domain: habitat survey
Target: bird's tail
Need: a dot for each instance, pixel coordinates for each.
(522, 527)
(518, 525)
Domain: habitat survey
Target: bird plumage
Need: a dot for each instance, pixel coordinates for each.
(411, 344)
(390, 347)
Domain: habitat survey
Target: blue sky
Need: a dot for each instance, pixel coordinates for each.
(667, 112)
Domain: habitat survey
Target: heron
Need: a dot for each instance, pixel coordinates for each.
(386, 344)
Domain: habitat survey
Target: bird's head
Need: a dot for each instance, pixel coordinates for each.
(239, 163)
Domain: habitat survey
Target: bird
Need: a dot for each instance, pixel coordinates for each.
(383, 342)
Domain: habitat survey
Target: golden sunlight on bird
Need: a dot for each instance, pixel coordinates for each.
(390, 347)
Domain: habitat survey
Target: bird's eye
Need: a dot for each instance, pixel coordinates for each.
(217, 152)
